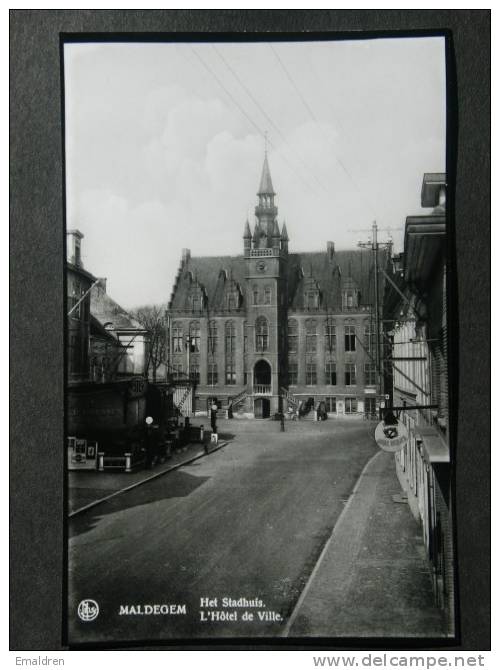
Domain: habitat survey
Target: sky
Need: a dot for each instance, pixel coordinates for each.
(165, 145)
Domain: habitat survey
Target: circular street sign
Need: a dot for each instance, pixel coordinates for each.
(391, 437)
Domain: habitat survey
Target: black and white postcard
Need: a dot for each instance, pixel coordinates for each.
(259, 380)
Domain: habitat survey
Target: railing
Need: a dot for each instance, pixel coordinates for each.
(262, 389)
(254, 253)
(238, 399)
(292, 400)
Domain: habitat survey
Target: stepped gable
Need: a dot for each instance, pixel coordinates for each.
(207, 271)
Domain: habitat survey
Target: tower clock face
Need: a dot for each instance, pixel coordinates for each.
(261, 266)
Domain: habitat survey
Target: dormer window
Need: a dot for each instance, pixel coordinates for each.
(311, 299)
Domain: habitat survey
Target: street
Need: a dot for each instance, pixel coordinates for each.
(247, 523)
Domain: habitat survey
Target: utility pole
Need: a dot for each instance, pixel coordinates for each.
(374, 246)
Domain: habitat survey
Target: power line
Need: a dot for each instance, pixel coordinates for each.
(314, 118)
(241, 109)
(269, 119)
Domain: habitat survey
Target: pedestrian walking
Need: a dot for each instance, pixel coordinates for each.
(213, 417)
(282, 422)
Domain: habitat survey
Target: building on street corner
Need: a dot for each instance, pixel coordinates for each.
(273, 330)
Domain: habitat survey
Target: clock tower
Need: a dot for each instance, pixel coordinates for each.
(266, 254)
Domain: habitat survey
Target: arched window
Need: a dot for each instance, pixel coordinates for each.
(267, 295)
(212, 337)
(330, 335)
(194, 336)
(261, 334)
(255, 292)
(369, 336)
(177, 338)
(311, 343)
(230, 338)
(330, 372)
(293, 335)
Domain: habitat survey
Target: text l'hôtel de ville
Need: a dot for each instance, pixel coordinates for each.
(235, 609)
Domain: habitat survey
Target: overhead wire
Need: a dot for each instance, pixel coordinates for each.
(270, 120)
(315, 119)
(249, 118)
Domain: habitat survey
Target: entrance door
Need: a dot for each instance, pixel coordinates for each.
(262, 408)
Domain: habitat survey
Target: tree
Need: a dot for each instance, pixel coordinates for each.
(152, 317)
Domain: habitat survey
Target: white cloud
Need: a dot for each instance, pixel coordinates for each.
(159, 157)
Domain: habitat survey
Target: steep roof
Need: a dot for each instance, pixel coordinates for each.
(106, 310)
(266, 184)
(213, 272)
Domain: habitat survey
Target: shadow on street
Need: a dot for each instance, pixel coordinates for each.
(176, 484)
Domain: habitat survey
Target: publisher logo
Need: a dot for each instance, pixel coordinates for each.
(88, 610)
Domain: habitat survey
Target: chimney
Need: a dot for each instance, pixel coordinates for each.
(330, 250)
(186, 255)
(73, 247)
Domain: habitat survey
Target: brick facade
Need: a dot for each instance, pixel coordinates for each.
(260, 296)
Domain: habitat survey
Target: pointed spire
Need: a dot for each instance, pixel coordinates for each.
(247, 235)
(266, 184)
(284, 233)
(276, 230)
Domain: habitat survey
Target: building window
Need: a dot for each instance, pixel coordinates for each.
(351, 405)
(212, 377)
(331, 404)
(350, 299)
(330, 336)
(370, 374)
(177, 371)
(232, 302)
(177, 338)
(230, 371)
(74, 299)
(194, 372)
(194, 336)
(350, 338)
(293, 373)
(255, 295)
(311, 377)
(369, 337)
(230, 338)
(293, 335)
(311, 299)
(370, 408)
(196, 303)
(261, 334)
(311, 336)
(331, 373)
(350, 374)
(245, 338)
(212, 337)
(267, 295)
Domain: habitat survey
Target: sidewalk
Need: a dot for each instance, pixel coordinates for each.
(372, 578)
(85, 487)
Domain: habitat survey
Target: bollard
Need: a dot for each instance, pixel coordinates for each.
(101, 461)
(128, 467)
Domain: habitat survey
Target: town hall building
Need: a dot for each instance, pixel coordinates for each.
(271, 330)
